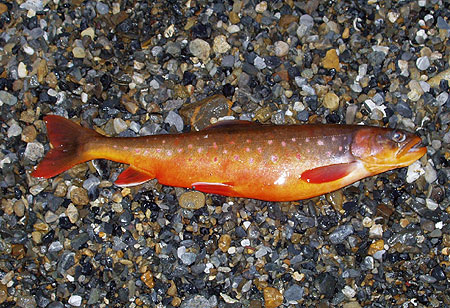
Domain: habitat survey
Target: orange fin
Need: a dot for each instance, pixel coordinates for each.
(230, 123)
(67, 139)
(132, 176)
(225, 189)
(328, 173)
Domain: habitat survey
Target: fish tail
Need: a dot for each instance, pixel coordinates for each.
(69, 142)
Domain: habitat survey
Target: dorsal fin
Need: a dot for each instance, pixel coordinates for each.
(230, 123)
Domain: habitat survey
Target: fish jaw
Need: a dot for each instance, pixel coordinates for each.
(380, 149)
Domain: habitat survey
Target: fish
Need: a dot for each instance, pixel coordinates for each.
(239, 158)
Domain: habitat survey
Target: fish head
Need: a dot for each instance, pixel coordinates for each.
(382, 149)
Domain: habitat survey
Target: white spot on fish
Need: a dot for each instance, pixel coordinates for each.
(298, 156)
(164, 141)
(307, 139)
(274, 158)
(340, 148)
(259, 150)
(281, 180)
(251, 160)
(158, 150)
(199, 150)
(189, 146)
(333, 138)
(214, 145)
(269, 142)
(328, 153)
(137, 151)
(205, 137)
(115, 146)
(320, 142)
(169, 153)
(180, 150)
(283, 144)
(125, 148)
(247, 149)
(248, 141)
(225, 152)
(146, 152)
(236, 157)
(293, 139)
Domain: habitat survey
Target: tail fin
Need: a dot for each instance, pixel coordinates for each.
(67, 140)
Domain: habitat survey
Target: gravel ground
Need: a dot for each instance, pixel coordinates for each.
(131, 68)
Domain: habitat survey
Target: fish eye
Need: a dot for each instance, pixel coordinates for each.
(398, 137)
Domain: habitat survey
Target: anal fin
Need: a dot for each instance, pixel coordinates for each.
(225, 189)
(132, 176)
(328, 173)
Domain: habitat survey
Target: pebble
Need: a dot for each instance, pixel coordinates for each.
(430, 173)
(14, 130)
(423, 63)
(174, 119)
(200, 49)
(349, 292)
(102, 8)
(224, 242)
(22, 70)
(7, 98)
(293, 293)
(281, 48)
(331, 60)
(79, 52)
(79, 196)
(272, 297)
(415, 170)
(331, 101)
(220, 44)
(34, 151)
(192, 200)
(72, 213)
(261, 7)
(75, 300)
(341, 233)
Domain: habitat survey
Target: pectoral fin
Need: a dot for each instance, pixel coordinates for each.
(225, 189)
(328, 173)
(132, 176)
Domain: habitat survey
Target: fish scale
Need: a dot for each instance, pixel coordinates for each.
(239, 158)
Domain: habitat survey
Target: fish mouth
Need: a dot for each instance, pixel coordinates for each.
(411, 151)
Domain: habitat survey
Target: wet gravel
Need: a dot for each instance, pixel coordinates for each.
(130, 68)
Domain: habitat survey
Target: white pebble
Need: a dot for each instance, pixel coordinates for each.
(349, 292)
(430, 173)
(415, 170)
(431, 204)
(75, 300)
(245, 242)
(22, 70)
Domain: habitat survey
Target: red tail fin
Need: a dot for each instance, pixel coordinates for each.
(67, 140)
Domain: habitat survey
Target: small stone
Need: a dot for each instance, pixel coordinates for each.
(224, 242)
(102, 8)
(75, 300)
(431, 204)
(331, 60)
(19, 208)
(119, 125)
(22, 70)
(29, 134)
(72, 213)
(281, 48)
(79, 196)
(331, 101)
(259, 63)
(174, 119)
(376, 231)
(88, 32)
(261, 7)
(220, 44)
(351, 305)
(272, 297)
(293, 293)
(375, 246)
(3, 8)
(434, 81)
(233, 29)
(393, 16)
(34, 151)
(403, 109)
(147, 278)
(430, 173)
(349, 292)
(341, 233)
(192, 200)
(7, 98)
(423, 63)
(79, 52)
(415, 170)
(14, 130)
(350, 114)
(200, 49)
